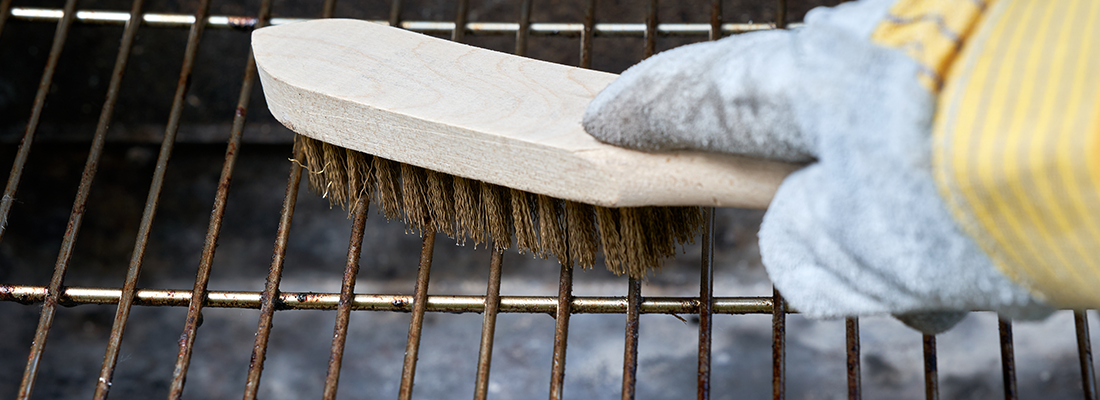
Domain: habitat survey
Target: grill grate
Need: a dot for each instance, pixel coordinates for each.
(272, 299)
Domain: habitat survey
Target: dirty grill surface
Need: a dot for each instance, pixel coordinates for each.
(81, 164)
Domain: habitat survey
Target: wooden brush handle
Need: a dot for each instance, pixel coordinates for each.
(480, 114)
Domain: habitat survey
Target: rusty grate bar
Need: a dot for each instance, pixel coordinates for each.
(715, 31)
(651, 29)
(1008, 359)
(45, 321)
(347, 293)
(706, 305)
(416, 324)
(523, 28)
(129, 288)
(72, 296)
(270, 298)
(931, 375)
(5, 11)
(1084, 353)
(779, 351)
(488, 326)
(851, 328)
(329, 9)
(563, 310)
(395, 13)
(431, 27)
(587, 31)
(206, 261)
(459, 35)
(630, 346)
(781, 14)
(634, 286)
(59, 36)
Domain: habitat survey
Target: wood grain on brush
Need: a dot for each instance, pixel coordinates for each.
(480, 114)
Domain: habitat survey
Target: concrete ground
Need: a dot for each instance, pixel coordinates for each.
(892, 364)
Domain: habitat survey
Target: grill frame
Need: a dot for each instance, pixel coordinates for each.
(271, 299)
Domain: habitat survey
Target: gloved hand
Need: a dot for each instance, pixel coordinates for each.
(864, 228)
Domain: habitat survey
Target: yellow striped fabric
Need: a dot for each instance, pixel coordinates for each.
(931, 32)
(1016, 144)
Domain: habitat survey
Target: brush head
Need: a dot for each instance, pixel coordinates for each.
(481, 115)
(485, 146)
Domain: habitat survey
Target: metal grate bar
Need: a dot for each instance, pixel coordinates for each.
(562, 312)
(931, 376)
(488, 326)
(565, 298)
(202, 278)
(630, 346)
(329, 9)
(416, 324)
(634, 286)
(779, 315)
(779, 350)
(1008, 359)
(715, 31)
(706, 305)
(45, 321)
(1084, 352)
(781, 14)
(270, 299)
(431, 27)
(524, 27)
(129, 289)
(651, 29)
(395, 13)
(851, 328)
(5, 11)
(59, 36)
(386, 302)
(347, 293)
(461, 16)
(587, 31)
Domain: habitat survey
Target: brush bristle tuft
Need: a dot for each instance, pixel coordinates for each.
(441, 204)
(469, 215)
(414, 197)
(387, 185)
(551, 234)
(580, 223)
(526, 236)
(607, 219)
(359, 178)
(335, 169)
(497, 206)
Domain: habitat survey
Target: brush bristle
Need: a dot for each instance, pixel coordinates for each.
(607, 219)
(359, 178)
(468, 213)
(580, 225)
(524, 218)
(635, 240)
(551, 234)
(414, 197)
(441, 202)
(309, 153)
(387, 186)
(495, 202)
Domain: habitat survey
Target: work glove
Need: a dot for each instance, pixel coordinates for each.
(901, 207)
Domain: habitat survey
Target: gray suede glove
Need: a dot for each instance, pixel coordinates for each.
(862, 229)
